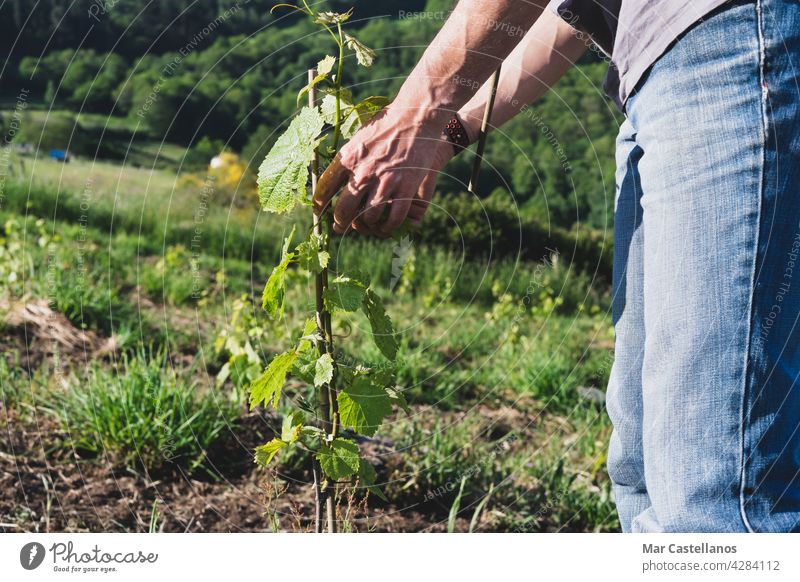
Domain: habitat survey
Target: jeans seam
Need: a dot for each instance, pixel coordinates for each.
(745, 415)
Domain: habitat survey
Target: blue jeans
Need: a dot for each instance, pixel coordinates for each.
(704, 392)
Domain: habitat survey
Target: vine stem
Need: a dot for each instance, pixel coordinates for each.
(326, 392)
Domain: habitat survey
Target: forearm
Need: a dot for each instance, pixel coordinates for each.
(548, 50)
(469, 47)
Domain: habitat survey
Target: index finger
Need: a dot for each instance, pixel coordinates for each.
(331, 181)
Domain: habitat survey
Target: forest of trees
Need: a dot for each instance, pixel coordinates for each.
(229, 72)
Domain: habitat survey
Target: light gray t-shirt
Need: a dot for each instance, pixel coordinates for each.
(633, 34)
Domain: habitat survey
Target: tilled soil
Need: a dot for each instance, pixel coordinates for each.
(44, 489)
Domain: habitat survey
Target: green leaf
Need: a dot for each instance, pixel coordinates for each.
(382, 330)
(345, 293)
(384, 374)
(353, 116)
(364, 55)
(304, 367)
(312, 437)
(268, 387)
(372, 103)
(275, 289)
(351, 122)
(310, 337)
(339, 459)
(369, 108)
(333, 17)
(368, 476)
(398, 399)
(265, 453)
(324, 68)
(283, 175)
(310, 327)
(310, 254)
(292, 425)
(323, 370)
(363, 406)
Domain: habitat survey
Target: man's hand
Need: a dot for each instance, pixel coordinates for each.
(382, 169)
(388, 172)
(387, 165)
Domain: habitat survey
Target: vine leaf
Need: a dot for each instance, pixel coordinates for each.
(382, 330)
(292, 426)
(363, 406)
(283, 176)
(398, 398)
(345, 294)
(275, 289)
(265, 453)
(323, 370)
(369, 108)
(324, 68)
(364, 55)
(310, 337)
(339, 459)
(353, 116)
(350, 122)
(368, 476)
(267, 388)
(333, 17)
(312, 437)
(310, 254)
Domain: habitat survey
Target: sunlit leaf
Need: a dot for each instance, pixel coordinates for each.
(265, 453)
(275, 289)
(340, 459)
(364, 55)
(333, 17)
(310, 254)
(283, 176)
(267, 388)
(323, 370)
(292, 425)
(363, 406)
(382, 330)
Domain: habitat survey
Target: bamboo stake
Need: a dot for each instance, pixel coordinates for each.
(322, 496)
(487, 117)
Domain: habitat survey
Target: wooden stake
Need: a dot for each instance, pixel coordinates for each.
(322, 493)
(487, 117)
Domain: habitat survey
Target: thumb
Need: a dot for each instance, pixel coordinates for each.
(332, 180)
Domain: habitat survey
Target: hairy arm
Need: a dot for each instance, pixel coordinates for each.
(476, 38)
(383, 166)
(548, 51)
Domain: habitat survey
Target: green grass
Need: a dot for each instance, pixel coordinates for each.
(152, 205)
(108, 139)
(510, 335)
(16, 384)
(143, 415)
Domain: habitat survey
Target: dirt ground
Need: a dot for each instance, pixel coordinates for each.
(47, 491)
(46, 487)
